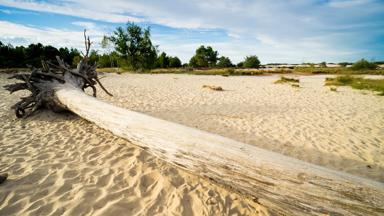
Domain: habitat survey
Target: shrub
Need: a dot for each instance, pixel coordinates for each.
(224, 62)
(204, 57)
(284, 79)
(251, 62)
(364, 64)
(344, 79)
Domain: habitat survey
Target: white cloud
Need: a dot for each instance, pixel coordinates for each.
(17, 34)
(278, 30)
(70, 8)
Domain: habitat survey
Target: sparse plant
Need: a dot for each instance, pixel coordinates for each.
(284, 79)
(357, 83)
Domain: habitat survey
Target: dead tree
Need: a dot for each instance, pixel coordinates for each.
(41, 82)
(285, 185)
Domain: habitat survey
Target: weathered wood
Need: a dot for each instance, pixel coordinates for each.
(286, 185)
(40, 83)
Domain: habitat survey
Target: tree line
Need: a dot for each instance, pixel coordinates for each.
(129, 47)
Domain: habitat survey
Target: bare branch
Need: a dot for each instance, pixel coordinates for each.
(42, 83)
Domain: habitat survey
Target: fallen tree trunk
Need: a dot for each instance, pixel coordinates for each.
(285, 185)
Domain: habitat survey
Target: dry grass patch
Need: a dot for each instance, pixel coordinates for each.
(357, 83)
(284, 79)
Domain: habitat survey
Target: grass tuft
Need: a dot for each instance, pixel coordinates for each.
(357, 83)
(336, 70)
(284, 79)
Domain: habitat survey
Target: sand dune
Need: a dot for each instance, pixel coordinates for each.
(341, 130)
(59, 164)
(62, 165)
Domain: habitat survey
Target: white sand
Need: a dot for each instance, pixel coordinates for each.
(343, 130)
(59, 164)
(63, 164)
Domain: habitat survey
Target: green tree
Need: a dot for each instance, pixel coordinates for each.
(193, 62)
(204, 57)
(93, 57)
(135, 45)
(148, 52)
(33, 54)
(50, 53)
(224, 62)
(240, 64)
(21, 56)
(251, 62)
(364, 64)
(108, 60)
(162, 61)
(174, 62)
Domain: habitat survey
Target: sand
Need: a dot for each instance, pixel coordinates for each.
(342, 130)
(59, 164)
(62, 165)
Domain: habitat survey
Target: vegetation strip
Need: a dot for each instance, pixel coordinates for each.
(357, 83)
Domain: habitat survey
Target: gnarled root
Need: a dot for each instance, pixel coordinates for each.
(41, 82)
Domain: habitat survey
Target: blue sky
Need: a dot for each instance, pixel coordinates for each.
(291, 31)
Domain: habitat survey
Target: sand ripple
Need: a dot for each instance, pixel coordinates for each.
(63, 165)
(341, 130)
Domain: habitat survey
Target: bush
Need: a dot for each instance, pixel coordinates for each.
(204, 57)
(251, 62)
(174, 62)
(224, 62)
(284, 79)
(364, 64)
(344, 79)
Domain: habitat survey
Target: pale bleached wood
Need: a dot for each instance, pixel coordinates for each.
(285, 185)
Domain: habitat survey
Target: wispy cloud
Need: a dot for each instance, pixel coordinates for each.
(313, 30)
(17, 34)
(70, 8)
